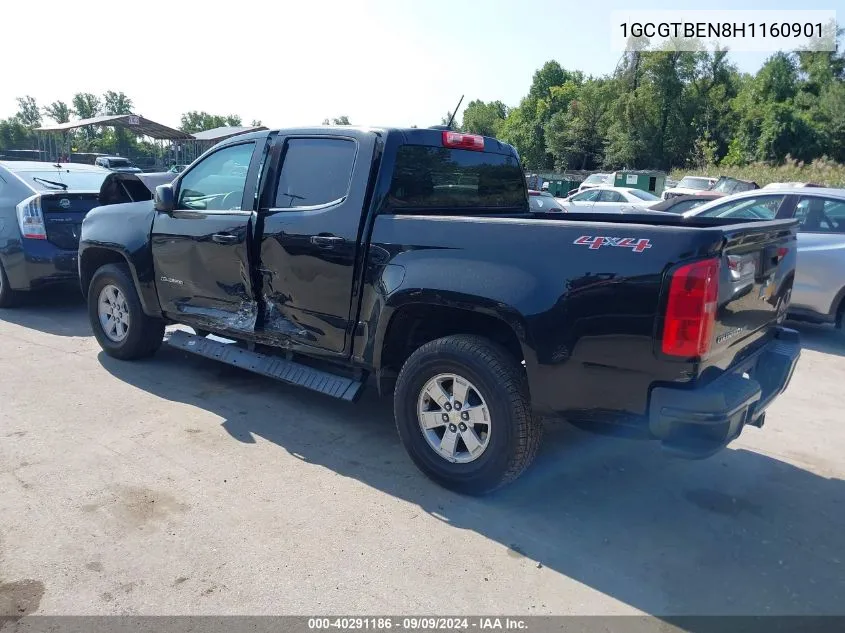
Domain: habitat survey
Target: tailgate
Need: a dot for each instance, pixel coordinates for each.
(755, 282)
(63, 215)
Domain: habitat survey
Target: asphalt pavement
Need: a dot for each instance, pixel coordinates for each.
(177, 485)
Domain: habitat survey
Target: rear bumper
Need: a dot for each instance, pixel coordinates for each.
(696, 423)
(38, 263)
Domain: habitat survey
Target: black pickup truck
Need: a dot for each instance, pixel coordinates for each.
(325, 257)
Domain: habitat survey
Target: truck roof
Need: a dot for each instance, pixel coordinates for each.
(413, 136)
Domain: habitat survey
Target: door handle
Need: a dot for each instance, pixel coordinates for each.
(225, 238)
(326, 241)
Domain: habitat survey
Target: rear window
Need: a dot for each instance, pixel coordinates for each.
(119, 162)
(691, 182)
(437, 178)
(56, 180)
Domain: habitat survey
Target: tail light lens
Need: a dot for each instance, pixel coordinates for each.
(456, 140)
(30, 218)
(691, 309)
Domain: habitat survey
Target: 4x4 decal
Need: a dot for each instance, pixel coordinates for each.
(638, 245)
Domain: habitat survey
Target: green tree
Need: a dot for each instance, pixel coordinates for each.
(86, 105)
(484, 118)
(341, 120)
(116, 103)
(15, 135)
(575, 136)
(197, 121)
(28, 112)
(58, 111)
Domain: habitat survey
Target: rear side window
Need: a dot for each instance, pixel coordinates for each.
(821, 215)
(610, 196)
(315, 172)
(440, 178)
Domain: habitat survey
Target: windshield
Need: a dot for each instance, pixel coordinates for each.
(643, 195)
(119, 162)
(691, 182)
(437, 177)
(73, 180)
(595, 179)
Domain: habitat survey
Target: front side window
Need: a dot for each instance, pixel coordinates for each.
(315, 172)
(217, 182)
(821, 215)
(756, 208)
(587, 196)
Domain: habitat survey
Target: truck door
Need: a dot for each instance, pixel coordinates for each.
(312, 211)
(200, 250)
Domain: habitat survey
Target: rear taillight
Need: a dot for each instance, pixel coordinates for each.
(457, 140)
(30, 218)
(691, 309)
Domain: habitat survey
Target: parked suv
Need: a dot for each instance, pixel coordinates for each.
(117, 163)
(41, 211)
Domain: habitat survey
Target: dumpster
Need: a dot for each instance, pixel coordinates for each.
(651, 181)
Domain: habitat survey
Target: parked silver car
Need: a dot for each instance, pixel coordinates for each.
(818, 293)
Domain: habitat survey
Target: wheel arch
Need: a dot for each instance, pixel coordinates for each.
(412, 324)
(92, 258)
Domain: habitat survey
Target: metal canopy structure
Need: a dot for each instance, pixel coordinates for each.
(54, 141)
(184, 153)
(132, 122)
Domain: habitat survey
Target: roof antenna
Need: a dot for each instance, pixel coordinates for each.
(454, 112)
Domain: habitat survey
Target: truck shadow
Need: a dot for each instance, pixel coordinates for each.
(740, 533)
(59, 311)
(820, 338)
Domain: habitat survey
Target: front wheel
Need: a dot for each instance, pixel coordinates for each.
(119, 323)
(463, 414)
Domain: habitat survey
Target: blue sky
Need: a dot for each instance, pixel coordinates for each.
(381, 62)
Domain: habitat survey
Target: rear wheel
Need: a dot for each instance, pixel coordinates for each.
(8, 297)
(119, 323)
(463, 414)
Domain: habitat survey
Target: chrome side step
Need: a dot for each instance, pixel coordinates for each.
(282, 369)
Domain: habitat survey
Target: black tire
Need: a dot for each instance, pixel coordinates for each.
(8, 297)
(144, 334)
(514, 432)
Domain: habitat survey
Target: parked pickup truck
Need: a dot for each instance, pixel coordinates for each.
(325, 257)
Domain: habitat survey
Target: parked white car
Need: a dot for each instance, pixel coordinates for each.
(610, 199)
(689, 185)
(818, 294)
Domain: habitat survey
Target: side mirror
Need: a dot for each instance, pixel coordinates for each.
(163, 199)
